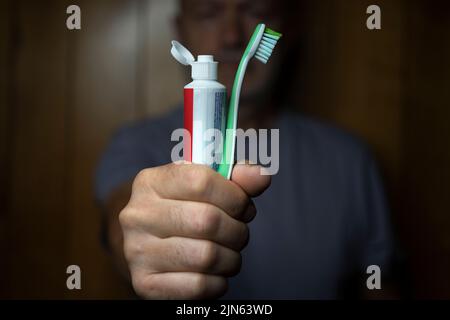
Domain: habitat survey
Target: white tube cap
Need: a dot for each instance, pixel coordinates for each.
(181, 54)
(205, 68)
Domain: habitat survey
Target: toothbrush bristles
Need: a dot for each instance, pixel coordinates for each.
(266, 45)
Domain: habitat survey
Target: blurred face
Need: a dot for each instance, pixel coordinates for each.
(223, 28)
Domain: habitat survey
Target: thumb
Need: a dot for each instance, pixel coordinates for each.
(250, 179)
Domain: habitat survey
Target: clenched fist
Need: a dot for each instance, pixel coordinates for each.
(184, 227)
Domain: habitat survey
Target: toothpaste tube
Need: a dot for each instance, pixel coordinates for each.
(204, 109)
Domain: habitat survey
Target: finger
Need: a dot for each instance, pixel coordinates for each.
(250, 179)
(180, 286)
(192, 255)
(196, 220)
(199, 183)
(249, 213)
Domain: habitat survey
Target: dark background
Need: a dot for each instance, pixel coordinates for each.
(62, 93)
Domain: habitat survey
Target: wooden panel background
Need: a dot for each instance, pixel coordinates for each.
(37, 226)
(62, 93)
(103, 91)
(426, 147)
(4, 136)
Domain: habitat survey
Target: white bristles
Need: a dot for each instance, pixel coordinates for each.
(262, 55)
(269, 40)
(266, 46)
(261, 59)
(265, 50)
(266, 35)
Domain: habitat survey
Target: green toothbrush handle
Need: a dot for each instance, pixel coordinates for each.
(226, 165)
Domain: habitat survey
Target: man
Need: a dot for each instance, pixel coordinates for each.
(183, 228)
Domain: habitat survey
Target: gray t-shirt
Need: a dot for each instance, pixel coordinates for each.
(322, 222)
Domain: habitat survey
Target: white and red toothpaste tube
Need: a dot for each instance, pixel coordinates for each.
(204, 109)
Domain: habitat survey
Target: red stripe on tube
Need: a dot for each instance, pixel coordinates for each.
(188, 122)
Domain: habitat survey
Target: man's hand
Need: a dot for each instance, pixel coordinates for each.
(184, 228)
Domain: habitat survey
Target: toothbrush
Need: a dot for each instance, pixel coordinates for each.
(261, 45)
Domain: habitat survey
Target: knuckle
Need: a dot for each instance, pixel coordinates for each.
(239, 205)
(126, 218)
(133, 250)
(142, 178)
(199, 179)
(199, 287)
(244, 235)
(131, 218)
(242, 202)
(145, 286)
(139, 285)
(236, 265)
(209, 256)
(207, 221)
